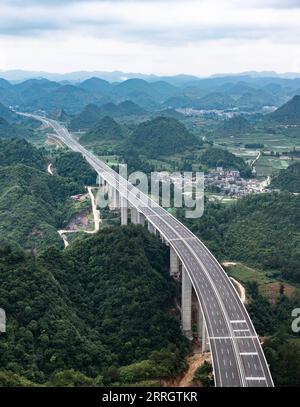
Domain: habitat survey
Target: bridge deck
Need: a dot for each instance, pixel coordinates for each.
(238, 359)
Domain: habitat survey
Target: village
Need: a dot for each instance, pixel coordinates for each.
(230, 183)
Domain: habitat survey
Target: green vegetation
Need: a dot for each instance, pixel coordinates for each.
(88, 315)
(284, 358)
(205, 375)
(72, 165)
(104, 130)
(33, 205)
(289, 113)
(85, 119)
(270, 285)
(18, 151)
(161, 136)
(7, 130)
(288, 180)
(216, 157)
(269, 165)
(271, 318)
(282, 349)
(91, 114)
(235, 126)
(254, 146)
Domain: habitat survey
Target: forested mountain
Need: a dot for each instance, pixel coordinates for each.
(235, 126)
(80, 316)
(217, 157)
(7, 130)
(18, 151)
(86, 118)
(70, 164)
(96, 85)
(7, 114)
(33, 205)
(68, 97)
(214, 100)
(91, 114)
(12, 130)
(144, 93)
(243, 92)
(105, 129)
(161, 136)
(288, 180)
(289, 113)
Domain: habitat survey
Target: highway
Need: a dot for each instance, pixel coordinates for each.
(237, 356)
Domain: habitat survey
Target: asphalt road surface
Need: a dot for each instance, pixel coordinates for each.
(237, 355)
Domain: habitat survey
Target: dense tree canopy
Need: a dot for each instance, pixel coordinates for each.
(161, 136)
(72, 165)
(288, 180)
(90, 309)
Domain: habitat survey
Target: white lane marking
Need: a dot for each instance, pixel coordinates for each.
(248, 353)
(256, 378)
(241, 330)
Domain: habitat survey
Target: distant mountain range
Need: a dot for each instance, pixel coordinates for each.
(137, 96)
(119, 76)
(75, 77)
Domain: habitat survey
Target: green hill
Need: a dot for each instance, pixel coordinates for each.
(91, 114)
(161, 136)
(128, 109)
(7, 130)
(68, 97)
(289, 113)
(256, 99)
(7, 114)
(86, 119)
(19, 151)
(96, 85)
(217, 157)
(214, 100)
(70, 164)
(235, 126)
(288, 180)
(104, 130)
(170, 113)
(22, 130)
(86, 316)
(33, 205)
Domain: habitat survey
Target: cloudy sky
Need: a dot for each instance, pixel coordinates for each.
(199, 37)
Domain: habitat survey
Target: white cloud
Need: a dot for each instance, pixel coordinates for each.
(161, 36)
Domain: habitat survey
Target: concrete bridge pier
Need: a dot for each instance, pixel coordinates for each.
(109, 192)
(202, 337)
(100, 180)
(141, 219)
(134, 216)
(174, 263)
(115, 199)
(151, 228)
(186, 304)
(124, 211)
